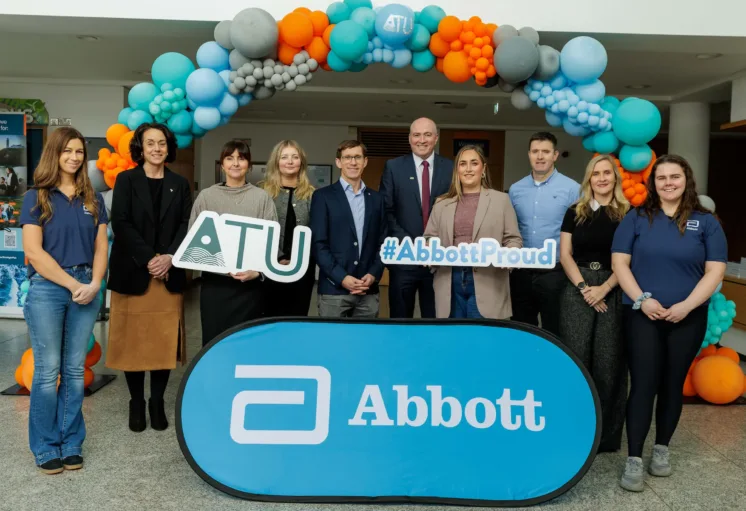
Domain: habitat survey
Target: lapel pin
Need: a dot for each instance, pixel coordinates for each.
(412, 178)
(171, 189)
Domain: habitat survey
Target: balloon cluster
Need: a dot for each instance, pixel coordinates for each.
(24, 374)
(716, 376)
(303, 31)
(720, 314)
(464, 49)
(264, 78)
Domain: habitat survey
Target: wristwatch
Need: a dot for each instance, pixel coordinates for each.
(581, 286)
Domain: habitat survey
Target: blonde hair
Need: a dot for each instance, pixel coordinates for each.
(455, 189)
(272, 184)
(619, 204)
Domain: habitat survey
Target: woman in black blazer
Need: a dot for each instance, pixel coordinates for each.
(149, 218)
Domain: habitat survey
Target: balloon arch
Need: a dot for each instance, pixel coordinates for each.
(254, 56)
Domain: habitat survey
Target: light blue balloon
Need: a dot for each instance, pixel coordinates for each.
(560, 95)
(377, 43)
(534, 95)
(594, 109)
(173, 68)
(205, 87)
(141, 95)
(395, 24)
(228, 106)
(377, 55)
(336, 63)
(371, 46)
(558, 82)
(636, 121)
(349, 41)
(124, 115)
(183, 141)
(555, 108)
(420, 39)
(563, 106)
(368, 58)
(226, 76)
(610, 104)
(588, 143)
(573, 99)
(549, 101)
(605, 143)
(207, 118)
(583, 117)
(197, 131)
(553, 119)
(423, 61)
(546, 91)
(24, 286)
(181, 123)
(430, 17)
(213, 56)
(541, 102)
(137, 118)
(388, 56)
(593, 121)
(338, 12)
(366, 18)
(593, 92)
(575, 129)
(23, 300)
(635, 158)
(573, 112)
(244, 99)
(583, 60)
(603, 124)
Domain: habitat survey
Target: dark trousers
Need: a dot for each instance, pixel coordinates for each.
(292, 298)
(537, 292)
(404, 284)
(596, 339)
(660, 354)
(226, 302)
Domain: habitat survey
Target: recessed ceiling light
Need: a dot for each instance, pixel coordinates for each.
(146, 73)
(636, 87)
(708, 56)
(396, 101)
(88, 38)
(401, 82)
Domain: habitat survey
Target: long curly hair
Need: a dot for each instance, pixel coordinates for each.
(272, 183)
(47, 175)
(619, 204)
(689, 200)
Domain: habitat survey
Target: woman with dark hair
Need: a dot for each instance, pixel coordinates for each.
(64, 238)
(229, 300)
(669, 256)
(149, 218)
(11, 182)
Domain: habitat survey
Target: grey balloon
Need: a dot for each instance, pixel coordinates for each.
(292, 71)
(236, 60)
(268, 62)
(250, 81)
(248, 68)
(223, 34)
(308, 77)
(529, 33)
(276, 80)
(300, 80)
(516, 59)
(233, 75)
(263, 93)
(240, 83)
(520, 100)
(549, 63)
(254, 33)
(234, 89)
(257, 63)
(505, 86)
(286, 77)
(240, 73)
(304, 69)
(503, 32)
(312, 64)
(268, 83)
(268, 72)
(108, 196)
(96, 177)
(259, 73)
(299, 59)
(279, 69)
(291, 86)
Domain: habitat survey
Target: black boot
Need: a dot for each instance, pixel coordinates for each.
(158, 419)
(137, 415)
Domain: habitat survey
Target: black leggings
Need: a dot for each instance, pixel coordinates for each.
(659, 354)
(136, 384)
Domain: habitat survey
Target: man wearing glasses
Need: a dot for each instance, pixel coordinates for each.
(348, 227)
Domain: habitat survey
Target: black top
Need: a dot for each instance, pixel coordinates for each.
(156, 192)
(591, 240)
(290, 221)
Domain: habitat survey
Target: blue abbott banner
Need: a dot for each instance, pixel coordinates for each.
(428, 251)
(231, 244)
(313, 410)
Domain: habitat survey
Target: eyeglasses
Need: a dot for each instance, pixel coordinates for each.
(348, 158)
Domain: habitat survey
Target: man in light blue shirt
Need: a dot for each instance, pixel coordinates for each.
(541, 200)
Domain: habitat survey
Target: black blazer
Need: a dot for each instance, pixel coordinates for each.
(334, 238)
(401, 192)
(133, 222)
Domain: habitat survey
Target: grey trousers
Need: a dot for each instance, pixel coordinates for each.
(348, 306)
(597, 340)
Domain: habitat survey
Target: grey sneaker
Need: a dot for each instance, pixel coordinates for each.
(632, 477)
(660, 465)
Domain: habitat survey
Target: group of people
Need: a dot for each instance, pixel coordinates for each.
(628, 297)
(9, 183)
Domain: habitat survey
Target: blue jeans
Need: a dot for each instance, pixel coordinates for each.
(59, 329)
(463, 296)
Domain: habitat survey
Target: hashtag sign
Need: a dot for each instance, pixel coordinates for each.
(389, 248)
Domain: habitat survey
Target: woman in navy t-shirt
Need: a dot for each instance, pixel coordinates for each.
(64, 237)
(669, 255)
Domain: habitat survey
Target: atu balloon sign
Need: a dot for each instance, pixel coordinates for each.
(465, 412)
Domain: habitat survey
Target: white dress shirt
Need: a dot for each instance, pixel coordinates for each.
(420, 168)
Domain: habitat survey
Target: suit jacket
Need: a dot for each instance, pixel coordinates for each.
(335, 243)
(401, 192)
(495, 218)
(133, 222)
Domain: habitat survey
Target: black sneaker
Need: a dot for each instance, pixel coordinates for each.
(52, 467)
(73, 462)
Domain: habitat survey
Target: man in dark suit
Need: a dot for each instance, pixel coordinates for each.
(348, 226)
(410, 184)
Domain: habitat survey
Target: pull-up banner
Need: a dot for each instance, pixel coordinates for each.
(484, 413)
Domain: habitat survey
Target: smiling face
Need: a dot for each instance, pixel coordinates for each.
(352, 163)
(542, 154)
(670, 182)
(235, 166)
(154, 147)
(423, 135)
(470, 170)
(603, 179)
(72, 157)
(289, 162)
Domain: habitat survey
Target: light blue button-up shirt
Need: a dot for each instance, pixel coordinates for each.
(357, 205)
(541, 207)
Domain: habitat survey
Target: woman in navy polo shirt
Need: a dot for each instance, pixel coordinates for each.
(64, 237)
(669, 255)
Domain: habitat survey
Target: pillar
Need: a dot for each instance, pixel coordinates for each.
(689, 136)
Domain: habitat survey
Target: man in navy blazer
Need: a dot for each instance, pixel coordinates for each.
(403, 191)
(348, 227)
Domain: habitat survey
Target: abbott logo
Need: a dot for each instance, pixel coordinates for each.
(243, 399)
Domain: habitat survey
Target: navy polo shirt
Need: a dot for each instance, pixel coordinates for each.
(666, 263)
(70, 234)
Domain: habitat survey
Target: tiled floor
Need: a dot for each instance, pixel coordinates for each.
(126, 471)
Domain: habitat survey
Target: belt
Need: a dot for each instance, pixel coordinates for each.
(595, 266)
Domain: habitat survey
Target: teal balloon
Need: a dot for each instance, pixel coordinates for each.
(338, 12)
(430, 17)
(91, 343)
(124, 115)
(137, 118)
(24, 286)
(366, 18)
(731, 313)
(183, 141)
(349, 41)
(181, 123)
(356, 67)
(610, 104)
(712, 318)
(23, 300)
(635, 158)
(171, 68)
(730, 304)
(423, 61)
(336, 63)
(716, 331)
(636, 121)
(606, 142)
(719, 298)
(356, 4)
(141, 95)
(589, 143)
(420, 39)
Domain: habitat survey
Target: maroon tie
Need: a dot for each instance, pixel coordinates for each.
(425, 193)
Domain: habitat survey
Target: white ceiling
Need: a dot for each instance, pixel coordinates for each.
(47, 49)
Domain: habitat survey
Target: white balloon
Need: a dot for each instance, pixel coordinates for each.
(707, 203)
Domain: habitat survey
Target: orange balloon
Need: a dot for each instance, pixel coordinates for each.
(124, 145)
(93, 356)
(475, 20)
(19, 375)
(439, 64)
(87, 378)
(439, 46)
(327, 35)
(456, 67)
(114, 133)
(320, 21)
(481, 82)
(491, 71)
(480, 29)
(718, 379)
(27, 370)
(744, 384)
(730, 353)
(110, 177)
(480, 76)
(285, 53)
(483, 64)
(467, 37)
(296, 29)
(104, 153)
(478, 42)
(303, 10)
(487, 51)
(640, 188)
(689, 390)
(318, 50)
(637, 200)
(449, 28)
(475, 52)
(629, 193)
(691, 367)
(457, 45)
(708, 351)
(490, 29)
(27, 355)
(468, 47)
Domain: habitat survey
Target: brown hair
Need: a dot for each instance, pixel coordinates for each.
(619, 204)
(455, 189)
(236, 145)
(351, 144)
(47, 174)
(272, 184)
(136, 149)
(689, 200)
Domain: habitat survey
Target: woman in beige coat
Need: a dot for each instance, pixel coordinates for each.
(470, 211)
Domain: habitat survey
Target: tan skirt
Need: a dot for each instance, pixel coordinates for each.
(146, 332)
